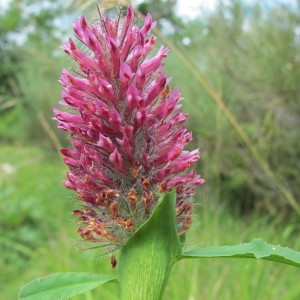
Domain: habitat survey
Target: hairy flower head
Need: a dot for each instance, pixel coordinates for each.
(126, 129)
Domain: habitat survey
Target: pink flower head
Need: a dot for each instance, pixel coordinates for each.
(126, 129)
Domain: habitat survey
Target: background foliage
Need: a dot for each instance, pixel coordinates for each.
(247, 54)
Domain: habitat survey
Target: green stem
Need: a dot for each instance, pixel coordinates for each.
(148, 256)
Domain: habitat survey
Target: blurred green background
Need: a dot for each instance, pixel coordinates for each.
(238, 69)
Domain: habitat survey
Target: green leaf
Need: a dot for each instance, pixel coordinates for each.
(148, 256)
(257, 248)
(62, 285)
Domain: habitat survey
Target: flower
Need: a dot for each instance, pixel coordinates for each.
(126, 129)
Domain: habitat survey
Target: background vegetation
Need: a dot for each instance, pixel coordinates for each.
(238, 68)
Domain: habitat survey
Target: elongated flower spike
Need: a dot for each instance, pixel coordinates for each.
(126, 129)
